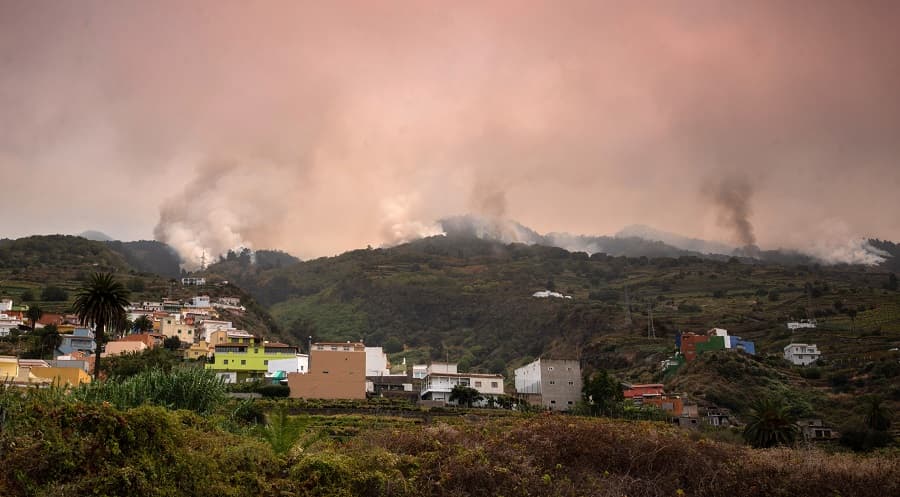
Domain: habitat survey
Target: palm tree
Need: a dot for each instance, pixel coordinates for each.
(101, 302)
(34, 314)
(770, 424)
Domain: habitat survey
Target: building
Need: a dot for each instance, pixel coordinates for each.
(280, 368)
(377, 363)
(803, 323)
(336, 371)
(551, 384)
(801, 354)
(632, 391)
(6, 305)
(814, 430)
(248, 359)
(8, 323)
(171, 326)
(442, 377)
(119, 347)
(692, 344)
(193, 281)
(81, 339)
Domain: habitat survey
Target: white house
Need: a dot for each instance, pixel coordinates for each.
(803, 323)
(278, 369)
(801, 354)
(7, 324)
(442, 377)
(552, 384)
(377, 362)
(6, 305)
(200, 301)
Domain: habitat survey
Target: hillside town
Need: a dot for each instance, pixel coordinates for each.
(198, 329)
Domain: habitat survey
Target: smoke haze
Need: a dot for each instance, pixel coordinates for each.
(318, 127)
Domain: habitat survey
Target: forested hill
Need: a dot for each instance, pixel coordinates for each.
(471, 300)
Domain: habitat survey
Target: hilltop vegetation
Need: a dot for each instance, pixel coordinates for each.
(470, 300)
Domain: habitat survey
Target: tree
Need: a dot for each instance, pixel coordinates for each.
(172, 343)
(50, 339)
(770, 424)
(464, 395)
(34, 314)
(27, 296)
(393, 345)
(143, 324)
(877, 415)
(852, 314)
(892, 283)
(101, 302)
(601, 392)
(54, 294)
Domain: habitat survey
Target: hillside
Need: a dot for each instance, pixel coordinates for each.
(30, 266)
(470, 300)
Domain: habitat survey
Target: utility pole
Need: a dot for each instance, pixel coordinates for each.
(651, 332)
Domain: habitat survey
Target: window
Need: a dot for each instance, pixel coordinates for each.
(570, 402)
(346, 347)
(571, 383)
(494, 384)
(225, 361)
(256, 351)
(477, 384)
(265, 362)
(550, 368)
(324, 372)
(568, 369)
(553, 402)
(243, 362)
(333, 347)
(552, 382)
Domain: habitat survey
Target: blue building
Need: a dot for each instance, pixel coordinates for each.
(80, 339)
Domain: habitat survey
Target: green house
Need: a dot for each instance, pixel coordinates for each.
(250, 360)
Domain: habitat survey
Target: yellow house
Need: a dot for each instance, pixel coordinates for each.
(9, 367)
(63, 376)
(197, 350)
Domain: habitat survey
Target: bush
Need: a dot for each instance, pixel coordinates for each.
(194, 389)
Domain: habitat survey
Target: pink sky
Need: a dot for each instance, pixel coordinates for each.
(319, 127)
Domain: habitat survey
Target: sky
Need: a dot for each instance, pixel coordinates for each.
(319, 127)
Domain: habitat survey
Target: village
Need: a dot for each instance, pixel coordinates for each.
(197, 329)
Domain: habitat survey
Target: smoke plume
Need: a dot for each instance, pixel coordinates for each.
(319, 127)
(731, 198)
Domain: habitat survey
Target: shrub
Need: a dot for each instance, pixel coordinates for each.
(190, 388)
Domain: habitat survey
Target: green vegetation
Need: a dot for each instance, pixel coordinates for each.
(59, 444)
(194, 389)
(101, 303)
(769, 424)
(602, 393)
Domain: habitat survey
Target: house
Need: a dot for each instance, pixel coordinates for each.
(442, 377)
(691, 344)
(801, 354)
(149, 339)
(193, 281)
(803, 323)
(336, 371)
(419, 371)
(652, 394)
(81, 339)
(814, 430)
(248, 359)
(35, 372)
(172, 326)
(377, 363)
(200, 302)
(8, 323)
(6, 305)
(297, 364)
(119, 347)
(632, 391)
(553, 384)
